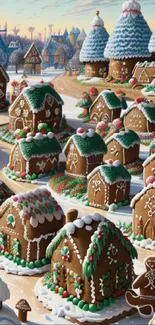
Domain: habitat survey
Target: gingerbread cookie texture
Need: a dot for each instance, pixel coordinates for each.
(123, 146)
(37, 154)
(145, 282)
(32, 61)
(149, 170)
(128, 43)
(140, 117)
(34, 104)
(28, 222)
(4, 79)
(7, 315)
(23, 308)
(5, 192)
(107, 184)
(84, 151)
(144, 213)
(91, 262)
(107, 107)
(144, 72)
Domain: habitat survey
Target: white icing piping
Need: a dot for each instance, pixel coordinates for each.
(149, 159)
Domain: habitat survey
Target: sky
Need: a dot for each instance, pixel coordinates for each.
(65, 13)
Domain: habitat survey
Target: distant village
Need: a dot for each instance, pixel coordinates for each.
(55, 49)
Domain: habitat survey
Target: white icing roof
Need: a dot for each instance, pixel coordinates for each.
(97, 21)
(148, 160)
(131, 5)
(83, 222)
(140, 194)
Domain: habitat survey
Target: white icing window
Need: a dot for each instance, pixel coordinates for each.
(22, 103)
(18, 111)
(25, 112)
(48, 113)
(57, 110)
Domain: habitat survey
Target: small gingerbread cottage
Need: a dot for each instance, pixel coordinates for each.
(108, 184)
(84, 151)
(4, 79)
(128, 43)
(36, 103)
(28, 222)
(144, 72)
(149, 168)
(140, 117)
(106, 107)
(123, 146)
(144, 212)
(32, 61)
(92, 51)
(35, 155)
(91, 261)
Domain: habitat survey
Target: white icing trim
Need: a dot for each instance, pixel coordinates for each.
(140, 194)
(148, 160)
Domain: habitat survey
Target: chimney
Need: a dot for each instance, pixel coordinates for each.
(71, 215)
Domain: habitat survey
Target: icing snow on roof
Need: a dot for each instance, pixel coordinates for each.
(36, 206)
(152, 43)
(126, 139)
(138, 196)
(145, 64)
(36, 96)
(148, 160)
(39, 145)
(87, 144)
(101, 224)
(131, 34)
(146, 107)
(111, 173)
(110, 98)
(93, 46)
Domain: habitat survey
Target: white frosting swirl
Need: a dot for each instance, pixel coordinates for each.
(97, 22)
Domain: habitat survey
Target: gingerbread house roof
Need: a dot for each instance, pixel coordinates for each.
(146, 107)
(98, 224)
(110, 98)
(33, 208)
(87, 144)
(126, 139)
(138, 196)
(4, 73)
(145, 64)
(111, 173)
(36, 96)
(30, 49)
(39, 145)
(152, 43)
(94, 44)
(131, 35)
(148, 160)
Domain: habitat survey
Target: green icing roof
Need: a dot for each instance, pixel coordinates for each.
(89, 145)
(148, 109)
(112, 101)
(127, 139)
(146, 64)
(108, 228)
(39, 147)
(36, 95)
(111, 173)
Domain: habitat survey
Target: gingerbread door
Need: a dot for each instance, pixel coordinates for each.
(19, 123)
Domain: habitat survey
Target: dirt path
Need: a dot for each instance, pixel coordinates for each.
(68, 86)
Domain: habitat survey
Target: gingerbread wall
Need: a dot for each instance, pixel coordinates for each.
(43, 164)
(96, 69)
(75, 164)
(16, 161)
(144, 74)
(144, 215)
(135, 120)
(103, 113)
(122, 68)
(149, 170)
(114, 151)
(130, 155)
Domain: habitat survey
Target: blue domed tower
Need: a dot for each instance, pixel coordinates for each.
(92, 51)
(152, 46)
(129, 41)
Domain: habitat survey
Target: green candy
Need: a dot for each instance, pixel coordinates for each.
(60, 291)
(81, 304)
(38, 263)
(85, 307)
(31, 265)
(75, 301)
(92, 308)
(70, 298)
(23, 263)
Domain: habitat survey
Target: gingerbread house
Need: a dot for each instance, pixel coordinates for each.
(32, 61)
(140, 117)
(143, 212)
(144, 72)
(149, 168)
(108, 184)
(35, 155)
(91, 261)
(129, 41)
(92, 51)
(28, 222)
(36, 103)
(5, 192)
(123, 146)
(4, 79)
(106, 107)
(84, 151)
